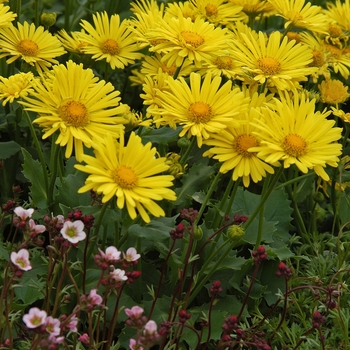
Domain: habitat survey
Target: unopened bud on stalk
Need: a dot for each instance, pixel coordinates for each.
(235, 233)
(197, 233)
(48, 19)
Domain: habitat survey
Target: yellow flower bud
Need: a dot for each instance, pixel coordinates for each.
(235, 233)
(48, 19)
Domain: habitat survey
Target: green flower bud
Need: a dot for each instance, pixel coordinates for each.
(318, 197)
(235, 233)
(48, 19)
(197, 233)
(183, 142)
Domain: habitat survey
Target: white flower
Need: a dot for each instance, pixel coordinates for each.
(21, 259)
(118, 275)
(36, 229)
(34, 318)
(112, 254)
(131, 255)
(23, 213)
(73, 231)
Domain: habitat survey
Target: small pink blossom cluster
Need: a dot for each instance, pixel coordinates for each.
(30, 229)
(88, 302)
(119, 264)
(147, 330)
(21, 262)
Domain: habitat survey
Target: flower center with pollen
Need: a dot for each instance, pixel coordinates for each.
(199, 112)
(243, 143)
(211, 10)
(28, 47)
(125, 177)
(269, 65)
(224, 62)
(110, 46)
(192, 38)
(294, 145)
(73, 113)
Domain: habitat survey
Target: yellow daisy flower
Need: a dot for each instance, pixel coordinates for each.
(151, 65)
(201, 108)
(16, 86)
(253, 8)
(6, 16)
(333, 91)
(339, 59)
(130, 173)
(73, 42)
(280, 64)
(231, 147)
(110, 40)
(185, 39)
(345, 116)
(182, 9)
(301, 15)
(136, 77)
(219, 12)
(80, 108)
(339, 12)
(36, 46)
(295, 134)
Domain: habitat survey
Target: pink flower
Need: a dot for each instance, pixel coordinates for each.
(72, 324)
(52, 325)
(131, 255)
(55, 340)
(34, 318)
(135, 312)
(73, 231)
(36, 229)
(23, 213)
(21, 259)
(94, 299)
(118, 275)
(112, 254)
(133, 345)
(84, 338)
(150, 328)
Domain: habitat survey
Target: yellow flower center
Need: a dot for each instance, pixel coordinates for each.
(294, 145)
(21, 262)
(110, 46)
(333, 91)
(335, 52)
(125, 177)
(269, 65)
(28, 47)
(156, 42)
(170, 70)
(334, 31)
(211, 10)
(243, 143)
(199, 112)
(293, 36)
(192, 38)
(224, 62)
(317, 59)
(346, 117)
(71, 232)
(73, 113)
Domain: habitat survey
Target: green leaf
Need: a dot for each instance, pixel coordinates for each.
(8, 149)
(163, 135)
(28, 292)
(32, 170)
(4, 255)
(198, 178)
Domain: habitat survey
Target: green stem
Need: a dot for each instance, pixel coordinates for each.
(53, 175)
(39, 150)
(295, 179)
(97, 228)
(183, 159)
(233, 195)
(264, 197)
(207, 197)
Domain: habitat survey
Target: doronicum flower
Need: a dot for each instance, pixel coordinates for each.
(6, 16)
(281, 64)
(73, 231)
(111, 40)
(201, 108)
(16, 86)
(36, 46)
(294, 133)
(72, 102)
(333, 91)
(129, 172)
(21, 260)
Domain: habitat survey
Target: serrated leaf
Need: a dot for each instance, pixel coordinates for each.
(161, 136)
(8, 149)
(33, 171)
